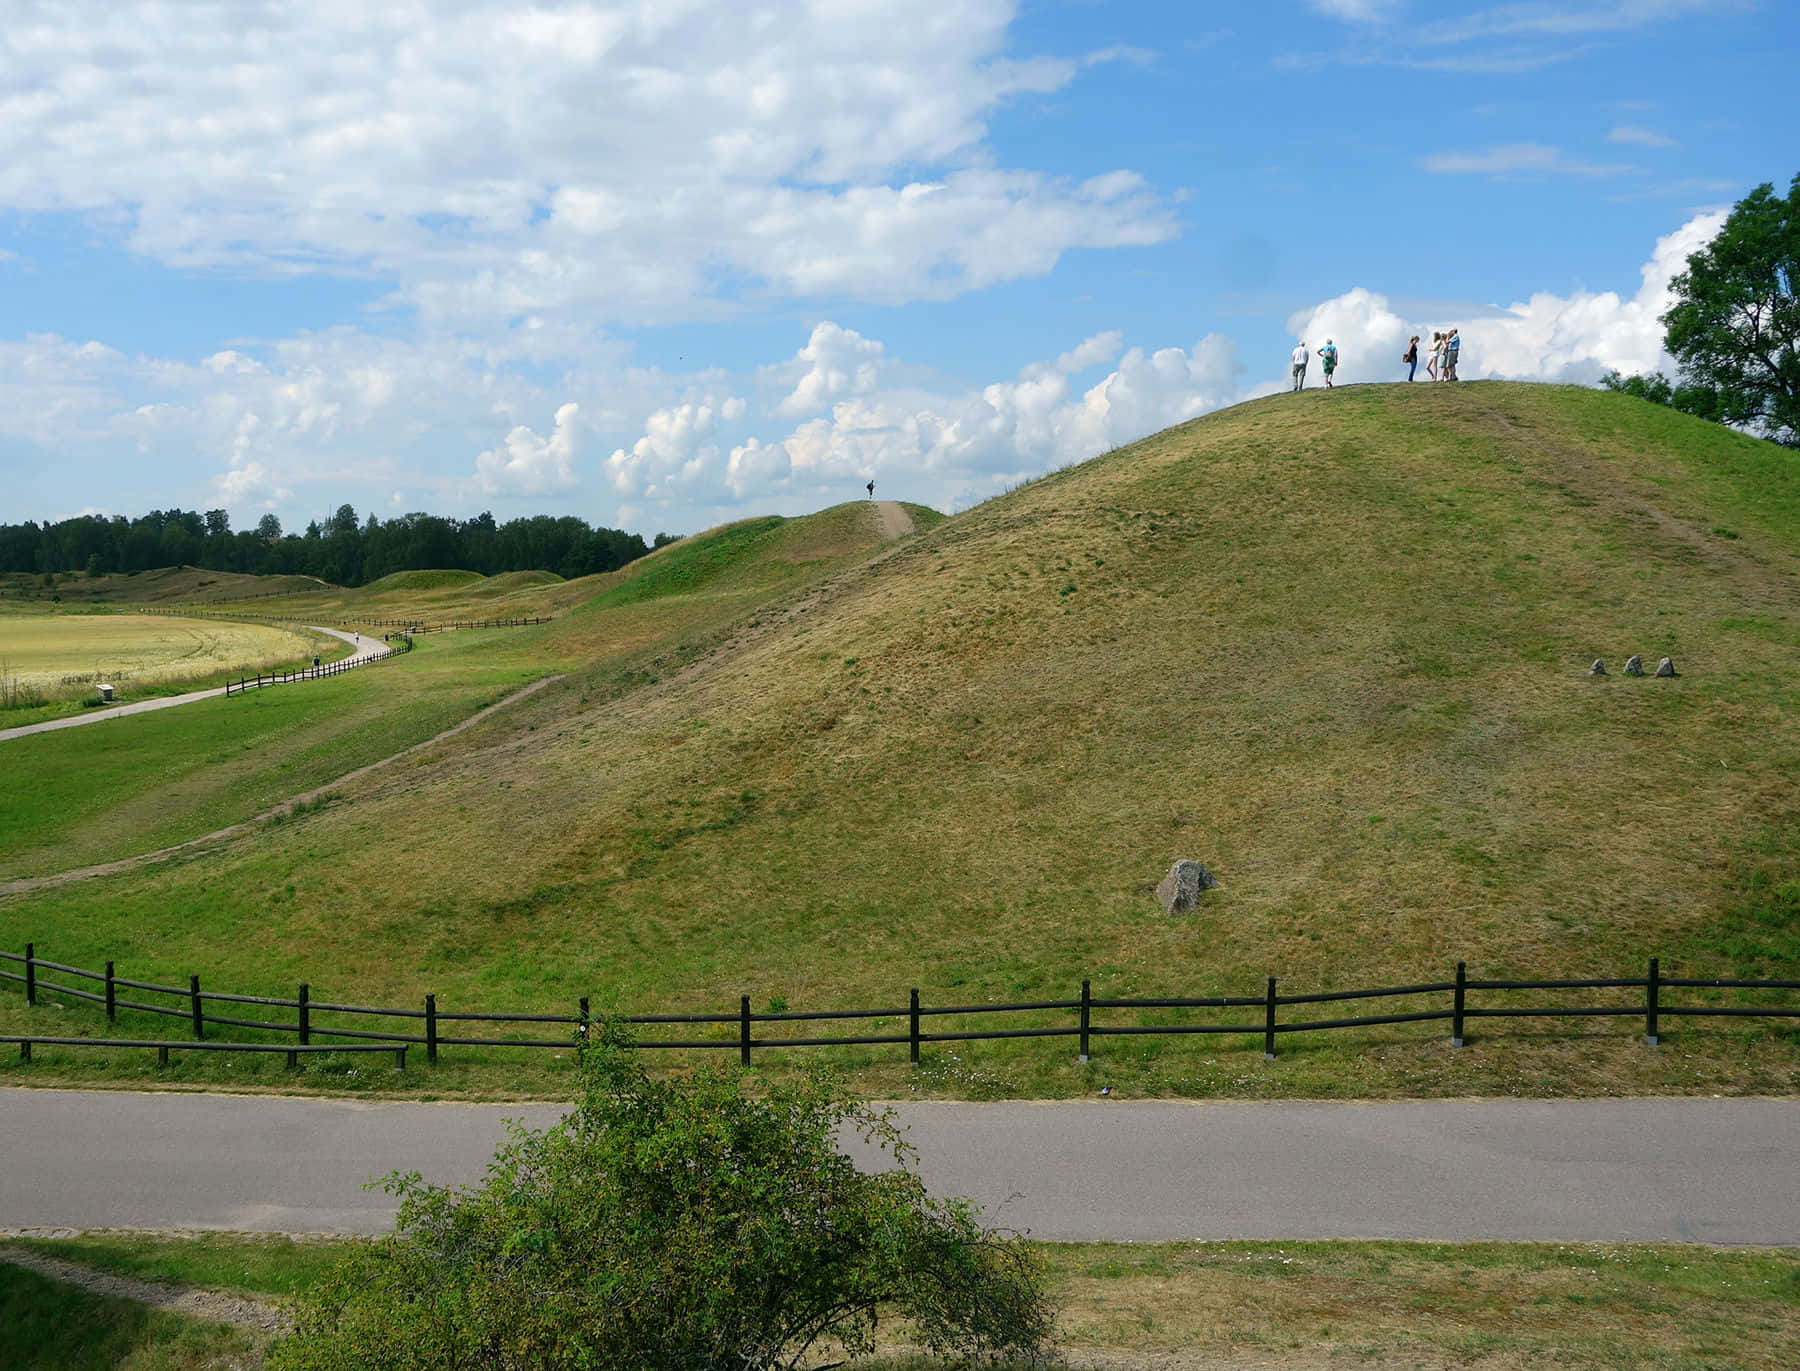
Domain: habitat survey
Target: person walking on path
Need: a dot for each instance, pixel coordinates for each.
(1328, 360)
(871, 490)
(1452, 346)
(1299, 360)
(1411, 358)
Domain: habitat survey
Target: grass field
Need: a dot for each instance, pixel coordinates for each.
(47, 657)
(163, 586)
(120, 787)
(47, 1325)
(1282, 1306)
(1335, 645)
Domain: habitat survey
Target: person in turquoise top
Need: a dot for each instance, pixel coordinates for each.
(1328, 359)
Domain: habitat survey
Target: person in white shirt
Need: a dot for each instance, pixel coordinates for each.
(1299, 360)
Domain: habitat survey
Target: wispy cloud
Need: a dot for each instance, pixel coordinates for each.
(1514, 61)
(1501, 40)
(1685, 188)
(1517, 159)
(1356, 11)
(1121, 52)
(1641, 137)
(1561, 20)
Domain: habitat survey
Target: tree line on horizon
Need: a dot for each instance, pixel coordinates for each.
(342, 549)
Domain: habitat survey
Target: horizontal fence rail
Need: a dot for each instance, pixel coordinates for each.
(163, 1049)
(386, 1027)
(397, 644)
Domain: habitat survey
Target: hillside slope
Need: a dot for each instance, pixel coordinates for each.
(1335, 645)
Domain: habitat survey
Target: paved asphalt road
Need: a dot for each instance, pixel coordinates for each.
(366, 650)
(1714, 1171)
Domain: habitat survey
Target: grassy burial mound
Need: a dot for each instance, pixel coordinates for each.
(165, 585)
(1334, 645)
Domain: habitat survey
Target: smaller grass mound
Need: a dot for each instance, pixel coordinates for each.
(423, 580)
(509, 581)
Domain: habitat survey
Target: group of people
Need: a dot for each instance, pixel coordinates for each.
(1440, 364)
(1327, 361)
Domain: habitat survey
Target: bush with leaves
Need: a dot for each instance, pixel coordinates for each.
(679, 1223)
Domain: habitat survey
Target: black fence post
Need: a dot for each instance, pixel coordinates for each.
(913, 1045)
(1087, 1007)
(1462, 986)
(744, 1030)
(112, 994)
(431, 1029)
(30, 973)
(1269, 1023)
(1652, 1004)
(305, 1000)
(194, 1002)
(581, 1038)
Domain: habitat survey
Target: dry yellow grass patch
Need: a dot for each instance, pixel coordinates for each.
(48, 652)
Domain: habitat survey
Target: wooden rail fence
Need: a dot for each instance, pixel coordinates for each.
(428, 1021)
(399, 643)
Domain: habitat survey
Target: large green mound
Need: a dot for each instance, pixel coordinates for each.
(1335, 645)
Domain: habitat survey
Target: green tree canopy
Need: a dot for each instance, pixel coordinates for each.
(1735, 326)
(674, 1225)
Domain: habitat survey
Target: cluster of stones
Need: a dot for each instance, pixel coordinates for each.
(1634, 666)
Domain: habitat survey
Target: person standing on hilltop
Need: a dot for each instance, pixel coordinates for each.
(1299, 360)
(1328, 360)
(1437, 356)
(1452, 346)
(1411, 358)
(871, 490)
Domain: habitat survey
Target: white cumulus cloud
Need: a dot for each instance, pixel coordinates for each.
(676, 455)
(526, 464)
(590, 159)
(1547, 337)
(838, 362)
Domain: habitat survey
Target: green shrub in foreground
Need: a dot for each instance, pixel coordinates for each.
(674, 1224)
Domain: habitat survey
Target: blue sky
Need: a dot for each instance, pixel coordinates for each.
(670, 262)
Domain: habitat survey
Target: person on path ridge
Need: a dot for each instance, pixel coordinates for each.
(1437, 357)
(1328, 359)
(1452, 346)
(871, 490)
(1411, 358)
(1299, 360)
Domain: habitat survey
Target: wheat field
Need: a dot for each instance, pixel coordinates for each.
(52, 654)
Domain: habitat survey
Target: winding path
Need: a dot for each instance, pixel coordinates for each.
(367, 650)
(1638, 1170)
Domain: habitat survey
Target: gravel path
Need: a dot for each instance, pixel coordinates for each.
(367, 650)
(254, 1315)
(895, 521)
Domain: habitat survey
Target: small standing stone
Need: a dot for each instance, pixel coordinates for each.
(1598, 668)
(1666, 667)
(1180, 890)
(1634, 665)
